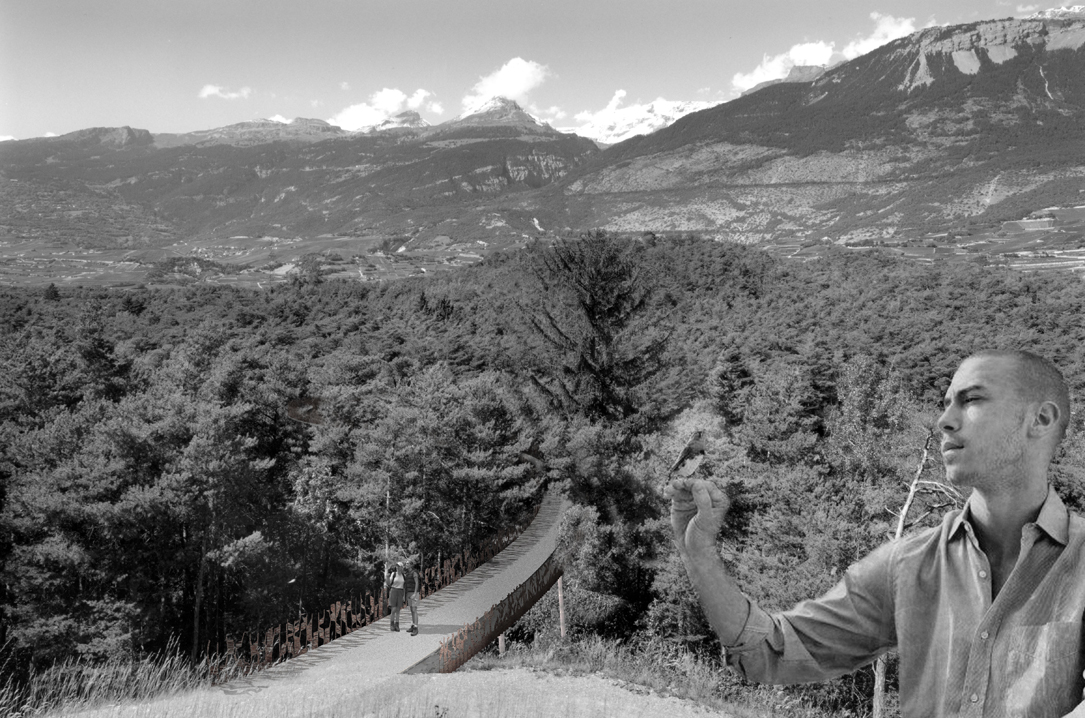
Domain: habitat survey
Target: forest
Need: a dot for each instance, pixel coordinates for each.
(155, 493)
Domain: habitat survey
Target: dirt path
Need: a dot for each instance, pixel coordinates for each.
(513, 693)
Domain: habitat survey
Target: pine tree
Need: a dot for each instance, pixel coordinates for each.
(591, 324)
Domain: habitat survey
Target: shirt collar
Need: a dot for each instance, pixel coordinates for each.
(1054, 520)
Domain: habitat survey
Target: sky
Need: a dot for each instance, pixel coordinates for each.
(186, 65)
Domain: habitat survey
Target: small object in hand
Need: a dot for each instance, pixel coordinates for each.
(691, 457)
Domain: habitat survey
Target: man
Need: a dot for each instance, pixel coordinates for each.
(985, 610)
(413, 586)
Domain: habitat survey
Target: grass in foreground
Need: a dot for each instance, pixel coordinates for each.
(536, 681)
(666, 668)
(78, 683)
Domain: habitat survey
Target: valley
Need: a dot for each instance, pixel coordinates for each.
(239, 261)
(1049, 240)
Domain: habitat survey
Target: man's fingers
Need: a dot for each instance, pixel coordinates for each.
(709, 497)
(678, 490)
(719, 498)
(697, 494)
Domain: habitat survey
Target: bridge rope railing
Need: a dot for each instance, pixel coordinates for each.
(257, 650)
(458, 648)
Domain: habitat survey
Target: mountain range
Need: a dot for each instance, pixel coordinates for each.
(944, 130)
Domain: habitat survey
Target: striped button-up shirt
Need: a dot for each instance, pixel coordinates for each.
(929, 596)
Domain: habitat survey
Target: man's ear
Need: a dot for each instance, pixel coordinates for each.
(1047, 418)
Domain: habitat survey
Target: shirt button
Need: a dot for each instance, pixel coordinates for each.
(974, 698)
(984, 635)
(983, 574)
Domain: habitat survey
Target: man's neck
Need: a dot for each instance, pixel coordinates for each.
(998, 517)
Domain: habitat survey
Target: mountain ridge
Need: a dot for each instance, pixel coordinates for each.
(910, 137)
(948, 128)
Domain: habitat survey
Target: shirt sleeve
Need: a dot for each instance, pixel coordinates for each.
(848, 627)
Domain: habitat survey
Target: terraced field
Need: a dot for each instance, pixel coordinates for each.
(1051, 240)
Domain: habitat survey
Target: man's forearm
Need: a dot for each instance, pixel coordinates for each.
(725, 606)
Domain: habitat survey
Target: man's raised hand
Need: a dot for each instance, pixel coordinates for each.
(698, 508)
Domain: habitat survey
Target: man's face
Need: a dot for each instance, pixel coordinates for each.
(984, 428)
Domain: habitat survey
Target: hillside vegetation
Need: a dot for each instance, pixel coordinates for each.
(154, 489)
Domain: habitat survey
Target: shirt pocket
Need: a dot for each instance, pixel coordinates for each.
(1042, 669)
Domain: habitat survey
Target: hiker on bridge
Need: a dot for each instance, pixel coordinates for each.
(395, 581)
(404, 586)
(413, 587)
(984, 610)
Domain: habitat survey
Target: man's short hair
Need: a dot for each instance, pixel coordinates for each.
(1037, 379)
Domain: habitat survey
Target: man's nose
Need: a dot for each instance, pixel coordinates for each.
(949, 421)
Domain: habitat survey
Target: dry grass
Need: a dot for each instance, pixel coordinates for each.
(664, 668)
(79, 683)
(582, 679)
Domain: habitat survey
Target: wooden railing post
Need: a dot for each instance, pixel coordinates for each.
(561, 608)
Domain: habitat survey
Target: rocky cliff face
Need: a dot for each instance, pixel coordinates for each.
(940, 53)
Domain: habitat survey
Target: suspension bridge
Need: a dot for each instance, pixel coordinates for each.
(454, 624)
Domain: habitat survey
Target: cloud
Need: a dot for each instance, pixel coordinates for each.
(219, 91)
(6, 138)
(609, 111)
(280, 118)
(1027, 9)
(777, 66)
(344, 85)
(886, 29)
(315, 103)
(514, 80)
(417, 99)
(383, 104)
(50, 134)
(553, 112)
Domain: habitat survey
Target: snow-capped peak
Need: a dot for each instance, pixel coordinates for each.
(1057, 13)
(497, 106)
(404, 120)
(614, 124)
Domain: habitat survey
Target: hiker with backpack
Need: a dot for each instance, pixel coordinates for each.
(404, 586)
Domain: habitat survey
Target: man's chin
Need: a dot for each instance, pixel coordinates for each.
(958, 478)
